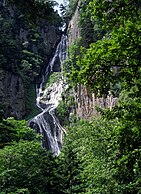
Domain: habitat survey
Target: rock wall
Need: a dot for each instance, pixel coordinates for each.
(12, 97)
(73, 26)
(86, 101)
(41, 40)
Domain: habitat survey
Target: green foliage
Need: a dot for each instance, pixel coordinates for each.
(91, 30)
(108, 149)
(105, 152)
(20, 191)
(30, 102)
(69, 64)
(120, 50)
(13, 130)
(86, 157)
(129, 138)
(10, 50)
(30, 65)
(14, 56)
(63, 112)
(113, 28)
(70, 170)
(54, 77)
(66, 107)
(26, 166)
(34, 10)
(114, 13)
(100, 156)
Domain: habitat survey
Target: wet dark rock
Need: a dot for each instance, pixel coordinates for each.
(12, 95)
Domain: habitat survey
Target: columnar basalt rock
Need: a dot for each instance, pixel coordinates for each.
(88, 102)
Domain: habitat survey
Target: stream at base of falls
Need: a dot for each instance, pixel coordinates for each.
(46, 123)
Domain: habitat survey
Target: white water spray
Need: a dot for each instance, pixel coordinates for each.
(47, 100)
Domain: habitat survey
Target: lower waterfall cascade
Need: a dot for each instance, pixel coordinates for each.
(46, 123)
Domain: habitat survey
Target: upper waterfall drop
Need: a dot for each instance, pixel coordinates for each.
(46, 123)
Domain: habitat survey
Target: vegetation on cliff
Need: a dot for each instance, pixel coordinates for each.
(107, 150)
(100, 156)
(25, 47)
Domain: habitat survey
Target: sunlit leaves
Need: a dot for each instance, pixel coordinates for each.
(27, 165)
(92, 142)
(12, 130)
(108, 148)
(114, 13)
(121, 49)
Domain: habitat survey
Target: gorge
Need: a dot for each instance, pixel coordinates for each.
(70, 101)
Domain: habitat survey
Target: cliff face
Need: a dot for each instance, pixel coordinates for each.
(25, 51)
(12, 94)
(73, 26)
(86, 101)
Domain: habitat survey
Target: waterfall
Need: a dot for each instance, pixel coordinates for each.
(46, 123)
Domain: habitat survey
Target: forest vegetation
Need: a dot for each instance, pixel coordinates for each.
(100, 156)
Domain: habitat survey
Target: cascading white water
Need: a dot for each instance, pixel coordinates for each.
(47, 123)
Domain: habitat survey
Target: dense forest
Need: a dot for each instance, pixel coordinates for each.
(101, 155)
